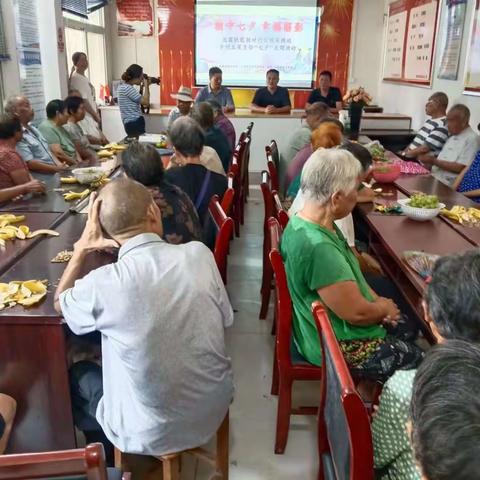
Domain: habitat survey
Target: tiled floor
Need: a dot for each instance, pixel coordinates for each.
(253, 413)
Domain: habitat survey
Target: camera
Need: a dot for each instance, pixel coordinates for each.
(153, 80)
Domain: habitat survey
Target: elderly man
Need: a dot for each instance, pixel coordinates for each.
(326, 93)
(184, 105)
(215, 91)
(33, 147)
(223, 123)
(272, 98)
(433, 134)
(459, 150)
(161, 310)
(314, 114)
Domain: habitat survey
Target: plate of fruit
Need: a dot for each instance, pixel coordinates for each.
(421, 207)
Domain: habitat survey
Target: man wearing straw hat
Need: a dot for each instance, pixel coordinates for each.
(184, 104)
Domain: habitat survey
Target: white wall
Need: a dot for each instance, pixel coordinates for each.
(54, 65)
(367, 36)
(127, 50)
(411, 100)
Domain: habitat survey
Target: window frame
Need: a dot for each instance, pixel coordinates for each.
(86, 27)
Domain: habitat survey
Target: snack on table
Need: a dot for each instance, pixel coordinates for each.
(105, 153)
(114, 147)
(421, 262)
(68, 180)
(422, 200)
(23, 293)
(62, 257)
(69, 196)
(465, 216)
(22, 232)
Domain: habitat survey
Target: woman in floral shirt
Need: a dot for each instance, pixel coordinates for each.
(179, 216)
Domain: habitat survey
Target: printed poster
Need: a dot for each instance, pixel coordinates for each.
(29, 57)
(135, 18)
(396, 29)
(472, 80)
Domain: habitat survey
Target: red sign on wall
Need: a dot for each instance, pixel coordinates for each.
(134, 18)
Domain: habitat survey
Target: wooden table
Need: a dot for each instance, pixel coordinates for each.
(33, 351)
(391, 235)
(430, 185)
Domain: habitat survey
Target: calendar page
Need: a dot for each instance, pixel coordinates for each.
(395, 42)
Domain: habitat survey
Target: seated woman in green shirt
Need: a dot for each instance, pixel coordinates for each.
(57, 137)
(319, 264)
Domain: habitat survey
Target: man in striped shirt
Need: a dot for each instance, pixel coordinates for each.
(433, 134)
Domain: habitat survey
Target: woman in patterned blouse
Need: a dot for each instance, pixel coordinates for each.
(179, 217)
(452, 310)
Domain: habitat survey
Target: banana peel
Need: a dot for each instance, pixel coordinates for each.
(10, 232)
(463, 215)
(115, 147)
(25, 293)
(69, 196)
(105, 153)
(43, 231)
(68, 180)
(8, 218)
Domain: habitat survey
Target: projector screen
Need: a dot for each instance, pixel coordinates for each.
(246, 38)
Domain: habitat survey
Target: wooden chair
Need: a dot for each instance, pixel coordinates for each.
(224, 228)
(87, 463)
(238, 169)
(344, 437)
(219, 459)
(246, 184)
(228, 196)
(288, 364)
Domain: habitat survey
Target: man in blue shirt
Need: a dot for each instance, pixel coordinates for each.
(33, 148)
(215, 91)
(272, 98)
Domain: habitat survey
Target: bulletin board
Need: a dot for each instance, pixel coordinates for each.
(410, 41)
(472, 79)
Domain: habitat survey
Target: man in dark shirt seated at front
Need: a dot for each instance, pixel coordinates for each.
(326, 93)
(272, 98)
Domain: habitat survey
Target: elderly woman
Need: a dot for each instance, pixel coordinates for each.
(180, 221)
(321, 266)
(200, 184)
(452, 311)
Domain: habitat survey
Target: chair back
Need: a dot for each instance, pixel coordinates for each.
(274, 153)
(224, 228)
(272, 170)
(283, 301)
(227, 199)
(88, 462)
(279, 212)
(344, 436)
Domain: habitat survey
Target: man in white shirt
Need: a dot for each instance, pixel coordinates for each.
(165, 384)
(459, 150)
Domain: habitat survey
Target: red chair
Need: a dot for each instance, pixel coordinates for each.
(224, 227)
(267, 272)
(288, 364)
(344, 437)
(88, 462)
(228, 196)
(246, 185)
(280, 214)
(272, 166)
(240, 170)
(237, 206)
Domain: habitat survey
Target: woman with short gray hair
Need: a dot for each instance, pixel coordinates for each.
(191, 176)
(321, 266)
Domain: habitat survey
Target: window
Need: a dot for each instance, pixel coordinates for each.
(88, 35)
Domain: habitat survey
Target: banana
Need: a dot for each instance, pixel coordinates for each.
(76, 195)
(68, 180)
(6, 218)
(43, 231)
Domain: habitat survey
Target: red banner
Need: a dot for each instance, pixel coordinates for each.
(134, 18)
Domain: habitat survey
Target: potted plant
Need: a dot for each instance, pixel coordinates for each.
(356, 99)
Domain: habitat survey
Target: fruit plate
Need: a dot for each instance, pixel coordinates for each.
(419, 214)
